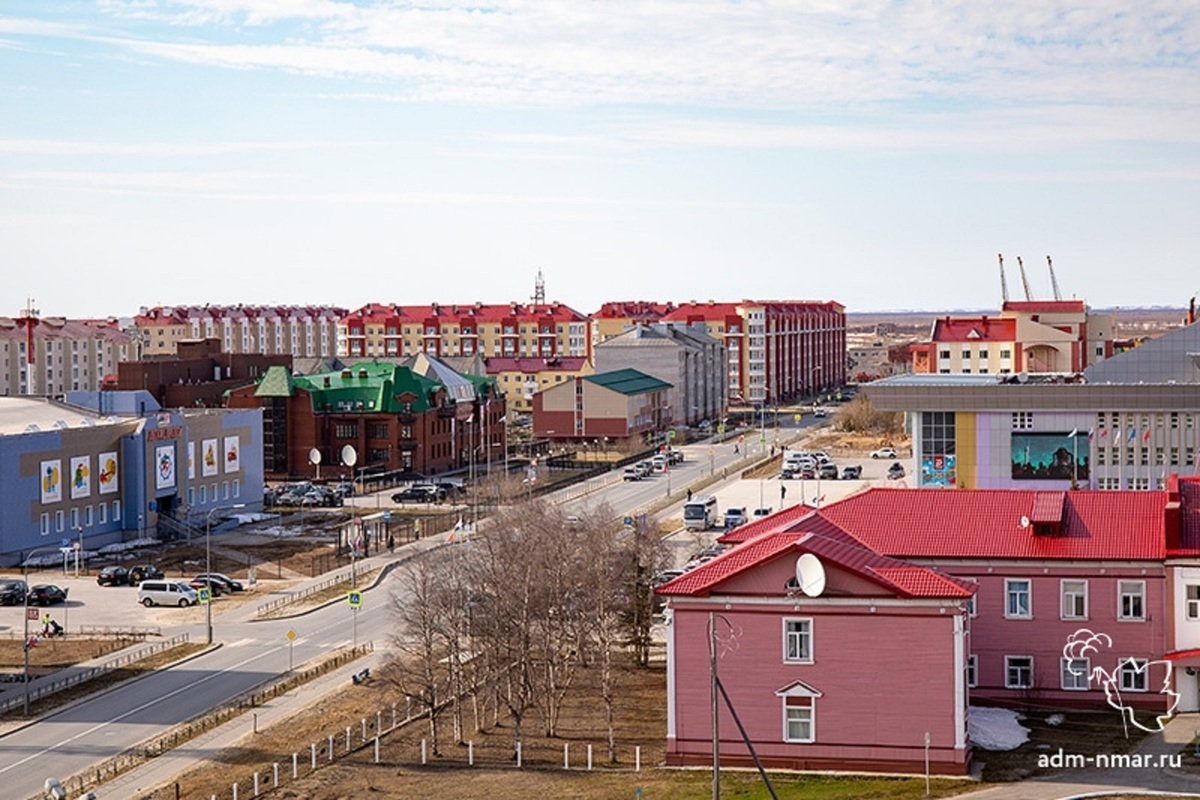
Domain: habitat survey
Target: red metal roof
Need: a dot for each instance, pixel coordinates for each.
(974, 329)
(633, 309)
(1048, 507)
(1044, 306)
(452, 313)
(987, 523)
(834, 547)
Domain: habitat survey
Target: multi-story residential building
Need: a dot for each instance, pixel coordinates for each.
(1125, 423)
(613, 319)
(397, 418)
(778, 350)
(199, 374)
(542, 330)
(67, 355)
(1028, 336)
(519, 379)
(298, 331)
(693, 362)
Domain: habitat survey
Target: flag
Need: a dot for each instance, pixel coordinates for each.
(1116, 434)
(1132, 433)
(1103, 432)
(1091, 434)
(458, 526)
(1074, 432)
(1146, 435)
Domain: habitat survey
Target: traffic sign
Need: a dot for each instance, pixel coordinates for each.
(204, 594)
(796, 417)
(354, 599)
(671, 434)
(721, 428)
(291, 635)
(32, 614)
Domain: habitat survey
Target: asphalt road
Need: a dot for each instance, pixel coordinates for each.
(252, 652)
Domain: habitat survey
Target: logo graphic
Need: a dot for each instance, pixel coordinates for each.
(1129, 674)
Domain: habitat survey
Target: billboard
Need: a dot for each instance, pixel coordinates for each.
(1049, 456)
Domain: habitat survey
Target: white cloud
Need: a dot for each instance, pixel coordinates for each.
(51, 147)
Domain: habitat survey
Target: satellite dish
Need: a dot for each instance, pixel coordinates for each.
(1024, 522)
(314, 456)
(349, 455)
(1022, 377)
(810, 575)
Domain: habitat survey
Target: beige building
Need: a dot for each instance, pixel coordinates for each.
(298, 331)
(519, 379)
(68, 355)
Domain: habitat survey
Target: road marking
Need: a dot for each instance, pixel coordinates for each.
(242, 642)
(132, 711)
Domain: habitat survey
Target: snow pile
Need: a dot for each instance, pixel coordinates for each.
(996, 728)
(122, 547)
(1054, 720)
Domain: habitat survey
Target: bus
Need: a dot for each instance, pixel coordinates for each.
(700, 513)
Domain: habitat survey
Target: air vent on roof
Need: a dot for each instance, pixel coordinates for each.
(362, 374)
(31, 428)
(347, 374)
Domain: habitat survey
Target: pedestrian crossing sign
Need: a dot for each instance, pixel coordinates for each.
(354, 599)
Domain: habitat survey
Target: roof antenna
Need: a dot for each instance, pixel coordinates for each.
(1003, 282)
(1053, 280)
(539, 289)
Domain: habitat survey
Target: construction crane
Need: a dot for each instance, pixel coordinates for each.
(1024, 280)
(1003, 282)
(1053, 280)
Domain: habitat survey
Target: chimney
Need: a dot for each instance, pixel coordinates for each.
(1173, 515)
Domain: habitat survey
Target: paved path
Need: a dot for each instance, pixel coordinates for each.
(1099, 782)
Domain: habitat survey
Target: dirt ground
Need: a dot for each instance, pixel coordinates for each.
(54, 654)
(640, 720)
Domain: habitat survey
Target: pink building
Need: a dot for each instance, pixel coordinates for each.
(852, 674)
(1047, 565)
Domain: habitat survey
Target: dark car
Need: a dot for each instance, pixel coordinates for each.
(828, 471)
(345, 489)
(200, 582)
(113, 576)
(144, 572)
(415, 494)
(46, 594)
(226, 583)
(851, 472)
(12, 593)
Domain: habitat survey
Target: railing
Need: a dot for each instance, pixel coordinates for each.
(136, 631)
(306, 592)
(46, 689)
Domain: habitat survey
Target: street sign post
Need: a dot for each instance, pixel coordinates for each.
(354, 600)
(205, 595)
(291, 637)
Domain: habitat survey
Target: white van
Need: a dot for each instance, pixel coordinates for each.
(166, 593)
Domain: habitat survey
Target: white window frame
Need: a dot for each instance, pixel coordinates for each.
(1073, 672)
(972, 672)
(787, 640)
(1192, 604)
(60, 521)
(812, 721)
(1122, 594)
(1063, 594)
(102, 508)
(1133, 674)
(972, 605)
(44, 523)
(1008, 598)
(116, 509)
(1008, 684)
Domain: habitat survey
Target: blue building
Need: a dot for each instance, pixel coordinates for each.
(106, 467)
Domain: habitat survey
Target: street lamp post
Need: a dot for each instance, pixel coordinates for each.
(25, 643)
(812, 380)
(208, 559)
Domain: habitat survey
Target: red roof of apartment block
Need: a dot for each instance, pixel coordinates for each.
(974, 329)
(1045, 306)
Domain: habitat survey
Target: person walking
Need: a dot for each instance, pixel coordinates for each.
(689, 495)
(391, 542)
(46, 620)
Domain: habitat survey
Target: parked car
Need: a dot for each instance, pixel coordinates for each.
(895, 472)
(345, 489)
(421, 493)
(113, 576)
(675, 456)
(226, 583)
(13, 593)
(884, 452)
(214, 586)
(631, 474)
(735, 517)
(806, 473)
(46, 594)
(166, 593)
(851, 472)
(144, 572)
(759, 513)
(820, 413)
(828, 471)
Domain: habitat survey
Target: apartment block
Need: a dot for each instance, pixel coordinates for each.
(67, 355)
(298, 331)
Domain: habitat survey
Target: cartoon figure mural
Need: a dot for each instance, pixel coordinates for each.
(1131, 674)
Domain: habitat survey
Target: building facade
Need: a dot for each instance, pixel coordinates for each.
(67, 355)
(519, 379)
(778, 351)
(617, 406)
(298, 331)
(543, 330)
(395, 418)
(822, 676)
(106, 467)
(198, 375)
(614, 318)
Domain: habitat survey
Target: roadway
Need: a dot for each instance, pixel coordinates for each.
(252, 652)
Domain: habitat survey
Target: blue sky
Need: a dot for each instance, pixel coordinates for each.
(323, 151)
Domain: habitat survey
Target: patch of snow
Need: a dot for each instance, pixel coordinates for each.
(996, 728)
(252, 516)
(134, 544)
(1055, 719)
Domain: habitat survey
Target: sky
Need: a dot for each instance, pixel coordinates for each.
(876, 153)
